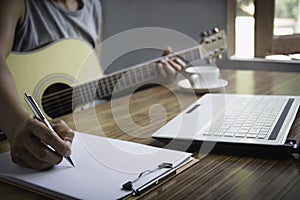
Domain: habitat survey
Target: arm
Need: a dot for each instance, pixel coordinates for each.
(23, 132)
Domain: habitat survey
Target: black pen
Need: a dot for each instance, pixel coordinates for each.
(40, 116)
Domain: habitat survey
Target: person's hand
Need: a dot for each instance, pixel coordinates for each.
(30, 139)
(169, 68)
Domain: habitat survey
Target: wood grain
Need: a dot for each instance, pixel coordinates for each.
(217, 175)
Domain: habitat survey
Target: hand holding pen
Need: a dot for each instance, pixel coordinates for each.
(54, 142)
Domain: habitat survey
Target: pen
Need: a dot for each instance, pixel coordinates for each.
(40, 116)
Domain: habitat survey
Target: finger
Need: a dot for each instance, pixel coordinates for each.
(41, 152)
(44, 134)
(64, 131)
(68, 138)
(167, 51)
(16, 159)
(161, 71)
(170, 71)
(32, 162)
(180, 62)
(175, 65)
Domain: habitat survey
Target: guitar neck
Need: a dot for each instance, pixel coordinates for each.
(126, 79)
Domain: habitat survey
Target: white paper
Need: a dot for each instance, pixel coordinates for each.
(102, 166)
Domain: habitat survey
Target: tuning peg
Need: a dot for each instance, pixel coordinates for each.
(203, 36)
(220, 56)
(210, 33)
(211, 54)
(215, 30)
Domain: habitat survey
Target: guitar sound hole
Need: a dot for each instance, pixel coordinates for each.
(57, 100)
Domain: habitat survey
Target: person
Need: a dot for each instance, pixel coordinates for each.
(28, 25)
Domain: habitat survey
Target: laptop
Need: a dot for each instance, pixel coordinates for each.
(234, 119)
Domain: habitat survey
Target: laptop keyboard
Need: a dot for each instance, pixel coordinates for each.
(256, 118)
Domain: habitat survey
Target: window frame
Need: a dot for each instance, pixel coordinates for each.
(266, 43)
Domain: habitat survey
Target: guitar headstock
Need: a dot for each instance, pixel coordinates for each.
(214, 42)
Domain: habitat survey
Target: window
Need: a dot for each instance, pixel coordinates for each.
(264, 28)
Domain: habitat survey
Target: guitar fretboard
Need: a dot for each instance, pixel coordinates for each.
(125, 79)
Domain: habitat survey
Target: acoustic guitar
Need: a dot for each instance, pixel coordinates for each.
(51, 74)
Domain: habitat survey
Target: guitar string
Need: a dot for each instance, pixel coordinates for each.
(109, 83)
(112, 78)
(139, 75)
(85, 99)
(66, 105)
(65, 95)
(68, 102)
(120, 74)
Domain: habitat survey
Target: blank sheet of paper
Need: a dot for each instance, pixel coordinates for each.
(102, 166)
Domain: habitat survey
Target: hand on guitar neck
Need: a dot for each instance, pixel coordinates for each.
(169, 67)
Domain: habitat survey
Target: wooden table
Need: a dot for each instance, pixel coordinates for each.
(215, 176)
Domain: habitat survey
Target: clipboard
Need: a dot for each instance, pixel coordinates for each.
(178, 171)
(99, 178)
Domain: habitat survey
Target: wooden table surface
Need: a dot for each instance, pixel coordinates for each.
(216, 175)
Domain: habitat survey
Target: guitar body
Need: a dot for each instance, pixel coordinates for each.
(54, 68)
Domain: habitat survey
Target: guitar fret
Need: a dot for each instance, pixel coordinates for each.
(118, 78)
(133, 77)
(107, 86)
(192, 55)
(77, 93)
(145, 73)
(112, 84)
(196, 54)
(81, 93)
(74, 98)
(148, 71)
(101, 88)
(99, 91)
(93, 87)
(116, 85)
(139, 74)
(91, 91)
(126, 80)
(153, 70)
(184, 56)
(80, 96)
(121, 82)
(189, 56)
(85, 94)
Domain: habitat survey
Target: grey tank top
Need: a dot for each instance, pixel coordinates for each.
(46, 21)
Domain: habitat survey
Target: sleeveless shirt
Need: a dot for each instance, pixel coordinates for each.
(45, 21)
